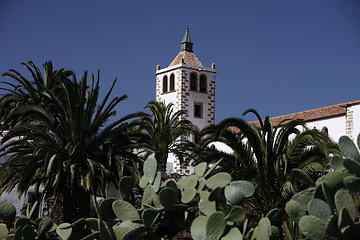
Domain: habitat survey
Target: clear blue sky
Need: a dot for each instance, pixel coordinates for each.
(278, 56)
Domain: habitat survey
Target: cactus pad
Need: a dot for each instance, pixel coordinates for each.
(188, 195)
(205, 206)
(295, 210)
(320, 209)
(348, 148)
(198, 228)
(247, 188)
(234, 195)
(343, 199)
(149, 168)
(236, 214)
(304, 197)
(352, 183)
(312, 227)
(149, 217)
(352, 166)
(215, 226)
(218, 180)
(126, 185)
(125, 211)
(167, 197)
(7, 213)
(233, 234)
(157, 182)
(200, 169)
(337, 163)
(63, 231)
(188, 182)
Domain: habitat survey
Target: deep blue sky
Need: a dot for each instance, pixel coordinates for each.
(278, 56)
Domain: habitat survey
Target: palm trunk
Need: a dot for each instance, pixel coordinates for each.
(161, 159)
(69, 207)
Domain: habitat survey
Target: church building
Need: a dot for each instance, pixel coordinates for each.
(190, 86)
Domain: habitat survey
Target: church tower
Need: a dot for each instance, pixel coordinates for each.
(189, 86)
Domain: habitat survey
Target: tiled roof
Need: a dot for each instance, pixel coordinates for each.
(317, 113)
(187, 58)
(310, 115)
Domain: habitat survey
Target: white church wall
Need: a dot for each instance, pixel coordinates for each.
(207, 99)
(356, 121)
(171, 165)
(168, 97)
(336, 126)
(222, 147)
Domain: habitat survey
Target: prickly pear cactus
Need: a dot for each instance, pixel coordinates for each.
(329, 209)
(24, 228)
(170, 206)
(7, 213)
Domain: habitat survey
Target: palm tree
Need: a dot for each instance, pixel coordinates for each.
(59, 139)
(164, 132)
(266, 155)
(25, 92)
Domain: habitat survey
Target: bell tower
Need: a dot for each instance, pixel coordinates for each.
(188, 85)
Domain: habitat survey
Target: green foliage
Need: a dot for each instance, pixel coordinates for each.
(7, 213)
(236, 214)
(312, 227)
(3, 231)
(125, 211)
(126, 185)
(263, 230)
(25, 228)
(328, 210)
(61, 138)
(215, 225)
(64, 231)
(198, 228)
(163, 132)
(348, 148)
(167, 208)
(277, 159)
(302, 177)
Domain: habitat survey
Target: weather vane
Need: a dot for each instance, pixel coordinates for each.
(187, 26)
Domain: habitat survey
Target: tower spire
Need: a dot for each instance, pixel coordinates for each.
(186, 43)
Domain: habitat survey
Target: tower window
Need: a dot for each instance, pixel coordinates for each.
(203, 83)
(198, 110)
(193, 81)
(165, 84)
(172, 82)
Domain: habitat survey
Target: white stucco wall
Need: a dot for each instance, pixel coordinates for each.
(356, 115)
(222, 147)
(336, 126)
(199, 97)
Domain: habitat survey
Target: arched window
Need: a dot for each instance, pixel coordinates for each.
(165, 84)
(193, 81)
(203, 83)
(172, 82)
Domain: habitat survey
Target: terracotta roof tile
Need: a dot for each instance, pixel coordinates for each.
(310, 115)
(317, 113)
